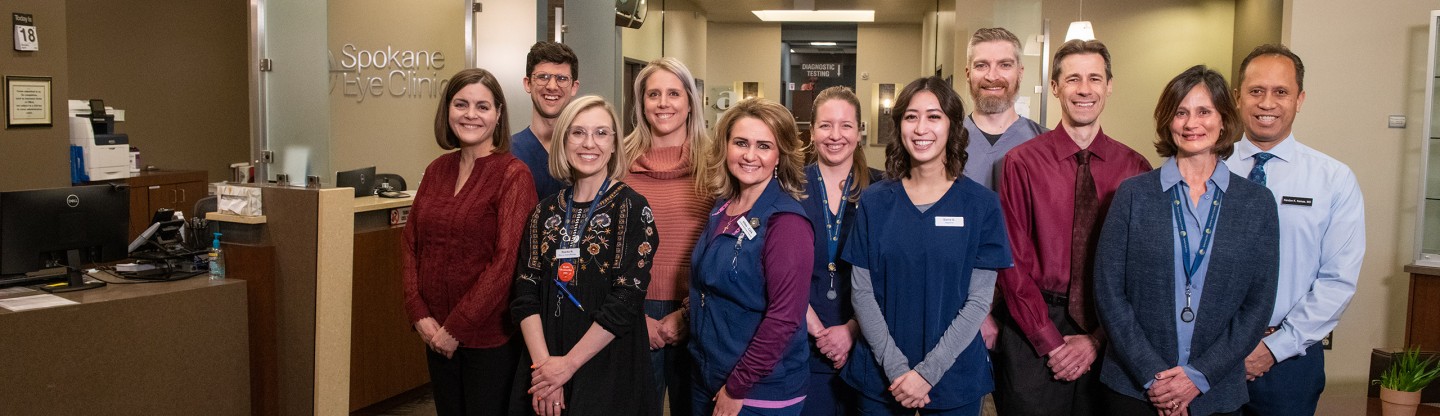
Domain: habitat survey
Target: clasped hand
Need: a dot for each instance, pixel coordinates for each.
(1172, 392)
(550, 375)
(1073, 359)
(911, 390)
(835, 342)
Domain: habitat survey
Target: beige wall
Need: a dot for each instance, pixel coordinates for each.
(500, 48)
(737, 52)
(1344, 116)
(395, 133)
(885, 53)
(1257, 22)
(1150, 43)
(37, 157)
(686, 37)
(182, 84)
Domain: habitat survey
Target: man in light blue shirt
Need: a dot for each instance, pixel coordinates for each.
(1322, 234)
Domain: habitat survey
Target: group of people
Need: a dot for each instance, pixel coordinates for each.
(754, 272)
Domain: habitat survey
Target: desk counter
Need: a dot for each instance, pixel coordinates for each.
(172, 348)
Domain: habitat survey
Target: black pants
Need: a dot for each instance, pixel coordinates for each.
(1024, 385)
(1121, 405)
(473, 381)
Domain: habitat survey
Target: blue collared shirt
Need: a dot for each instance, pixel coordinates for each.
(1322, 240)
(1195, 216)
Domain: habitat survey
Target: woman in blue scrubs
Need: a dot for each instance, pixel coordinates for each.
(751, 269)
(832, 187)
(925, 247)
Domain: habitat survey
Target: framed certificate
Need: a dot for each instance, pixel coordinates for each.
(27, 101)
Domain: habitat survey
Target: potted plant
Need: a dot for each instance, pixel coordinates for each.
(1400, 384)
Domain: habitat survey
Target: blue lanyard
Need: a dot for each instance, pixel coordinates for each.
(568, 240)
(832, 227)
(589, 213)
(1193, 265)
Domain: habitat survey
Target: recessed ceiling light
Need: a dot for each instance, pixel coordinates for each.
(815, 15)
(822, 43)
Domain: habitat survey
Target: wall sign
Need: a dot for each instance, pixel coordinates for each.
(361, 72)
(27, 101)
(25, 38)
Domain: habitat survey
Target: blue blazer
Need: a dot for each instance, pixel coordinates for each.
(1135, 290)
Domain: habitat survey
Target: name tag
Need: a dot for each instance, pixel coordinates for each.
(949, 221)
(1295, 200)
(746, 228)
(567, 253)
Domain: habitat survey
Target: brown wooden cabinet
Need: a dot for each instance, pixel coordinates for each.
(155, 189)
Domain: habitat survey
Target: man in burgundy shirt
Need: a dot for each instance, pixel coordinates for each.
(1050, 339)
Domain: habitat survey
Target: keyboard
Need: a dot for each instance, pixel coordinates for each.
(23, 280)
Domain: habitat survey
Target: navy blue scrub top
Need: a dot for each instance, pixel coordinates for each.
(920, 266)
(837, 311)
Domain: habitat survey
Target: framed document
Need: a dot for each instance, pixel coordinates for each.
(27, 101)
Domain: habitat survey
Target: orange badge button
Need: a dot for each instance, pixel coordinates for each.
(567, 272)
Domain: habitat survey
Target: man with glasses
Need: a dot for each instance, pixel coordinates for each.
(552, 79)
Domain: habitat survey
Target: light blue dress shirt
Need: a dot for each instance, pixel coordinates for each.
(1322, 240)
(1195, 218)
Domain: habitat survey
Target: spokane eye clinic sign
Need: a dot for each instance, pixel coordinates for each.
(362, 73)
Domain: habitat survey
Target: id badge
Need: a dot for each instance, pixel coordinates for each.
(949, 221)
(567, 253)
(746, 228)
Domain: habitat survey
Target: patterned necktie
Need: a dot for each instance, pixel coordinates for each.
(1087, 208)
(1257, 173)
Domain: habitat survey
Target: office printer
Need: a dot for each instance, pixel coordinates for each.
(92, 128)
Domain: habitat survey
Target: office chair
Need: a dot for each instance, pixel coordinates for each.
(397, 183)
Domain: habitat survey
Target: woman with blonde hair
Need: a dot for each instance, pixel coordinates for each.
(832, 187)
(748, 289)
(580, 283)
(666, 161)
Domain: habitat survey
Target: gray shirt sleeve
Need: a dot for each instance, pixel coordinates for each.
(873, 327)
(962, 330)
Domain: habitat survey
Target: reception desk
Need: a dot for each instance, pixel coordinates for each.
(172, 348)
(331, 335)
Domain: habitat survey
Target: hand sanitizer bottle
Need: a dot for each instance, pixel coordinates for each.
(217, 259)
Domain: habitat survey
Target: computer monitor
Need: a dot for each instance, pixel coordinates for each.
(71, 226)
(363, 180)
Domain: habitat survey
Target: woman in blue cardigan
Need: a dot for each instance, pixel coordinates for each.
(1187, 262)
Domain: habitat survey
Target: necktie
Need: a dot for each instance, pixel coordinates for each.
(1087, 208)
(1257, 173)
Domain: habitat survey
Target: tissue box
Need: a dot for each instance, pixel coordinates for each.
(238, 200)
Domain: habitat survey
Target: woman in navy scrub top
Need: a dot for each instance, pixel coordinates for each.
(925, 247)
(751, 269)
(832, 187)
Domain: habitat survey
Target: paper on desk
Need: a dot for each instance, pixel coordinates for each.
(15, 290)
(34, 302)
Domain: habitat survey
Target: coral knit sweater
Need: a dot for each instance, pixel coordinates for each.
(460, 247)
(663, 176)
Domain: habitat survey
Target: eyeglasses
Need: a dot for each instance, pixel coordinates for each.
(544, 78)
(601, 135)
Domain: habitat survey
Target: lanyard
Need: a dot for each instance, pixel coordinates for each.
(565, 273)
(832, 227)
(1191, 266)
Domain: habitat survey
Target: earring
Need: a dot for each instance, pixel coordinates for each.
(775, 173)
